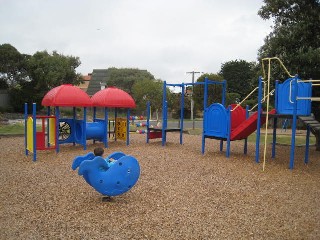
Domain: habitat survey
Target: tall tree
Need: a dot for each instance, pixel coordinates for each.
(240, 75)
(125, 78)
(295, 39)
(28, 78)
(51, 70)
(12, 66)
(148, 90)
(214, 91)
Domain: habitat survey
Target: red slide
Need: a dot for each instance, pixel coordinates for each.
(248, 126)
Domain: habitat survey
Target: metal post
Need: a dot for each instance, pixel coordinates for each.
(192, 101)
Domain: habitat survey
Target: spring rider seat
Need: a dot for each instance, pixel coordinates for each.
(109, 179)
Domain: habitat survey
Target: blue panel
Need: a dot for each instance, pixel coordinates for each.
(284, 106)
(216, 121)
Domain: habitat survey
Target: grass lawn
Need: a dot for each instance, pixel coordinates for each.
(281, 138)
(17, 128)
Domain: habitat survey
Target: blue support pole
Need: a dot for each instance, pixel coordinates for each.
(57, 114)
(115, 122)
(48, 127)
(223, 102)
(34, 117)
(73, 132)
(259, 120)
(294, 93)
(148, 121)
(94, 115)
(128, 126)
(181, 112)
(274, 137)
(228, 131)
(106, 120)
(84, 139)
(221, 146)
(205, 100)
(25, 128)
(164, 113)
(306, 158)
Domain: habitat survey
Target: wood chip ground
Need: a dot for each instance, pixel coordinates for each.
(181, 194)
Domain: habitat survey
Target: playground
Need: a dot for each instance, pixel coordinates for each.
(181, 194)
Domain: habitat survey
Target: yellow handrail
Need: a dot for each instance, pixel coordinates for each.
(274, 58)
(245, 98)
(267, 115)
(262, 100)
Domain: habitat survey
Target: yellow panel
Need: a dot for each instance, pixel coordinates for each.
(121, 128)
(52, 131)
(30, 134)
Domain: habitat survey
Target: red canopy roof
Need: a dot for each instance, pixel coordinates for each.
(113, 97)
(66, 95)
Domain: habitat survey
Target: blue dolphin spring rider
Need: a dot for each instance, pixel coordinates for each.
(110, 178)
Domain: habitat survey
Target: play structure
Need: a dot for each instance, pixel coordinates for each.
(114, 98)
(43, 138)
(78, 130)
(108, 179)
(161, 132)
(292, 100)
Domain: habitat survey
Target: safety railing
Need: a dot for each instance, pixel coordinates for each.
(262, 100)
(315, 99)
(239, 104)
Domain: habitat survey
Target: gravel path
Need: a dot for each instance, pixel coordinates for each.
(180, 194)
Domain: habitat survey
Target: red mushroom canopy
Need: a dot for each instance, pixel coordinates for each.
(113, 97)
(66, 95)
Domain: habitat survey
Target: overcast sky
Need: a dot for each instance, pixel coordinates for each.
(166, 37)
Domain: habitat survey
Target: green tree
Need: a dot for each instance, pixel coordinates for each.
(29, 78)
(214, 91)
(148, 90)
(295, 39)
(12, 66)
(241, 76)
(51, 70)
(125, 78)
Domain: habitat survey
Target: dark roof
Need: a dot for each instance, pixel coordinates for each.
(99, 76)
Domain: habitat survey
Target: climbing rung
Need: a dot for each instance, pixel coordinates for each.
(309, 98)
(306, 118)
(313, 125)
(311, 122)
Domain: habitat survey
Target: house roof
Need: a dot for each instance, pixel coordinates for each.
(99, 76)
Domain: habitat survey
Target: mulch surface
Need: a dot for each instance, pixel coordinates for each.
(181, 194)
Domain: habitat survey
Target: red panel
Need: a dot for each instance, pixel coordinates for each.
(66, 95)
(247, 127)
(238, 116)
(153, 135)
(113, 97)
(40, 141)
